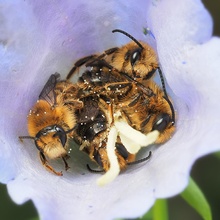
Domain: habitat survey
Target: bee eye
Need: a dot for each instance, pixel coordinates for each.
(161, 122)
(95, 129)
(61, 134)
(135, 56)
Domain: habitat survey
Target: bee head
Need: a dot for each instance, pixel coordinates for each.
(164, 124)
(51, 140)
(140, 59)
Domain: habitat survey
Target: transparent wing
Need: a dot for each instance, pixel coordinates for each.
(48, 93)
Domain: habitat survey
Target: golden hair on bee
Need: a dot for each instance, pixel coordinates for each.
(147, 109)
(139, 63)
(119, 117)
(137, 59)
(98, 137)
(51, 121)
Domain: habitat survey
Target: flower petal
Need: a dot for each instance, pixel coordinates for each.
(41, 38)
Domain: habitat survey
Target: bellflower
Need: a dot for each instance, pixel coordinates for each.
(39, 38)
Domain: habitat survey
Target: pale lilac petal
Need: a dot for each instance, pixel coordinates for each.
(42, 37)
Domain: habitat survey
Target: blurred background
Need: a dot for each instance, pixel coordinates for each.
(204, 172)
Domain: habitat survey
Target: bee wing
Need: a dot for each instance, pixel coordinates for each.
(48, 93)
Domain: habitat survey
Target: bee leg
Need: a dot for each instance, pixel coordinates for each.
(121, 88)
(79, 63)
(47, 166)
(75, 104)
(93, 171)
(99, 59)
(140, 160)
(21, 138)
(66, 164)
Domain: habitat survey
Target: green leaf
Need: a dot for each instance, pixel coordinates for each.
(160, 210)
(147, 216)
(217, 154)
(195, 198)
(35, 218)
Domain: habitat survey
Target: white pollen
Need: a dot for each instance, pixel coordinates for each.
(129, 134)
(114, 169)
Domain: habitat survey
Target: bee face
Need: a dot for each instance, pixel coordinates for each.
(52, 141)
(52, 119)
(42, 116)
(137, 62)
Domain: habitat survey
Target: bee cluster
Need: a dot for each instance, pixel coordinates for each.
(113, 110)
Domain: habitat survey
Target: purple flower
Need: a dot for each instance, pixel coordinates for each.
(39, 38)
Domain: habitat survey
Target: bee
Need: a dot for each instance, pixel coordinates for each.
(99, 138)
(137, 59)
(51, 121)
(119, 117)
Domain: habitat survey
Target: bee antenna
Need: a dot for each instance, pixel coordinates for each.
(25, 137)
(93, 171)
(128, 35)
(162, 81)
(172, 110)
(141, 160)
(166, 96)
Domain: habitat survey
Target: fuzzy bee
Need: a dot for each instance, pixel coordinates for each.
(137, 59)
(52, 120)
(119, 117)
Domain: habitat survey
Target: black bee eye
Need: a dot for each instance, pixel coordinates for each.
(94, 129)
(135, 56)
(161, 122)
(61, 134)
